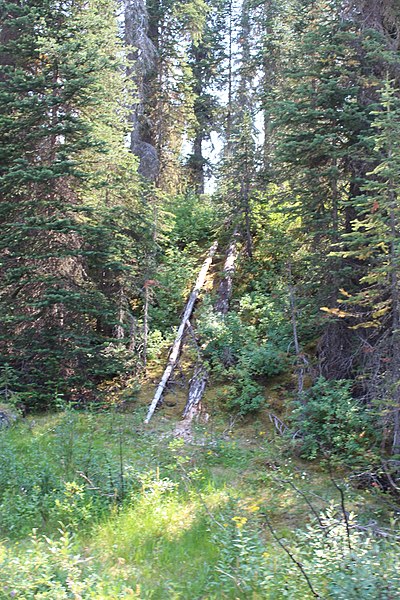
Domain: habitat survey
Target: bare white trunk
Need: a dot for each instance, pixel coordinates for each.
(119, 328)
(199, 381)
(176, 348)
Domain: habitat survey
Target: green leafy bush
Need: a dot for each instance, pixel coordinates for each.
(247, 396)
(60, 477)
(238, 355)
(191, 220)
(350, 563)
(330, 421)
(175, 277)
(55, 571)
(341, 563)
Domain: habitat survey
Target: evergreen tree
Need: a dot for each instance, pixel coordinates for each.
(321, 125)
(375, 242)
(206, 57)
(239, 156)
(60, 71)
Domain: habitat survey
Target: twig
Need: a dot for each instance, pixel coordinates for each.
(343, 506)
(292, 558)
(304, 496)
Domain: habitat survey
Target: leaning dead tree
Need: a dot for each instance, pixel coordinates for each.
(199, 381)
(225, 286)
(177, 345)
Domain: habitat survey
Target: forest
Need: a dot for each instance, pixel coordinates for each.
(200, 299)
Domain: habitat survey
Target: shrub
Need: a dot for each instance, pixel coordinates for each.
(55, 570)
(330, 421)
(247, 396)
(339, 566)
(236, 354)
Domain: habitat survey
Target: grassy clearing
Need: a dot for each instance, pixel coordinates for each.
(119, 510)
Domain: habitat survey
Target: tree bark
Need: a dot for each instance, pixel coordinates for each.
(145, 324)
(198, 385)
(177, 345)
(301, 359)
(144, 57)
(225, 286)
(394, 259)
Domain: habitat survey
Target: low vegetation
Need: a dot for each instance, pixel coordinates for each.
(94, 505)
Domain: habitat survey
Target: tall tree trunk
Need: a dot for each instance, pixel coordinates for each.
(145, 323)
(119, 332)
(268, 75)
(138, 30)
(394, 259)
(301, 361)
(229, 115)
(197, 161)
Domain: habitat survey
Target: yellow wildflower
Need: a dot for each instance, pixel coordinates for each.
(240, 521)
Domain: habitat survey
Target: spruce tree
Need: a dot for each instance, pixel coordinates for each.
(59, 63)
(375, 243)
(206, 56)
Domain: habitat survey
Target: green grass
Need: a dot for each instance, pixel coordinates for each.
(150, 517)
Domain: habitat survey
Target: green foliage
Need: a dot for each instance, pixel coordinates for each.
(201, 506)
(175, 277)
(70, 214)
(241, 570)
(12, 398)
(330, 422)
(191, 220)
(367, 569)
(55, 570)
(240, 357)
(254, 362)
(61, 479)
(246, 396)
(373, 240)
(249, 568)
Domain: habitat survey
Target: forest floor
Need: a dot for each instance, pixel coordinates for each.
(120, 509)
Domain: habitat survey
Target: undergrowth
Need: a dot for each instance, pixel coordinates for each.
(96, 506)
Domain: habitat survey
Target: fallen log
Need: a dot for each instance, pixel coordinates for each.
(199, 381)
(177, 345)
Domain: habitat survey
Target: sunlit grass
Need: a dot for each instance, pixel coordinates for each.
(158, 541)
(152, 513)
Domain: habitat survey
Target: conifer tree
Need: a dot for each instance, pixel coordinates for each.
(62, 237)
(206, 56)
(239, 163)
(375, 242)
